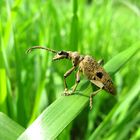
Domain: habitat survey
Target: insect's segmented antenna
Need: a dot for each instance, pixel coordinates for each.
(40, 47)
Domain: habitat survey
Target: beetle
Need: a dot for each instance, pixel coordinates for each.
(87, 65)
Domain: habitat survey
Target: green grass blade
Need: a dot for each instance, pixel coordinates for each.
(74, 27)
(3, 87)
(119, 60)
(136, 136)
(36, 104)
(9, 130)
(58, 115)
(132, 7)
(3, 91)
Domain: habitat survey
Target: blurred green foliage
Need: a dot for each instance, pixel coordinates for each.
(31, 82)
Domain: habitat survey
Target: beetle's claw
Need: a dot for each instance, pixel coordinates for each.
(66, 92)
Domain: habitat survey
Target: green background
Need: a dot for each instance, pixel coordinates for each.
(31, 83)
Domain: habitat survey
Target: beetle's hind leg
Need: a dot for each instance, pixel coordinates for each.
(91, 97)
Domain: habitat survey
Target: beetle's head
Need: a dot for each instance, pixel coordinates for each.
(61, 55)
(74, 56)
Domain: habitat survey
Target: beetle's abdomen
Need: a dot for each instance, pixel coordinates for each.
(93, 71)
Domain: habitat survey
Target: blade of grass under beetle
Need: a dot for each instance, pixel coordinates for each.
(57, 116)
(60, 113)
(9, 130)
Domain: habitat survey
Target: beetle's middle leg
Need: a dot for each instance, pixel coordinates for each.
(65, 76)
(77, 81)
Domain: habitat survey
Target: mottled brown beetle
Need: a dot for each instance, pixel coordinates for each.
(88, 66)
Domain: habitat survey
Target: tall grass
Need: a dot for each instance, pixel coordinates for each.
(30, 83)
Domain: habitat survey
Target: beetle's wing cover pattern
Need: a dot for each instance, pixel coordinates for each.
(96, 74)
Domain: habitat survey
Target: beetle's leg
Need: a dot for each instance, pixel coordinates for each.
(98, 84)
(91, 97)
(77, 81)
(66, 75)
(101, 62)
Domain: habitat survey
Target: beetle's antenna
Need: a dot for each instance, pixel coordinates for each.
(40, 47)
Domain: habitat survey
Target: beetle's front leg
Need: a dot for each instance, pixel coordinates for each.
(75, 85)
(65, 76)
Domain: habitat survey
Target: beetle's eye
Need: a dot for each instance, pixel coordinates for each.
(99, 74)
(60, 53)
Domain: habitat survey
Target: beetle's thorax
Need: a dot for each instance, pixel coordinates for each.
(87, 65)
(75, 57)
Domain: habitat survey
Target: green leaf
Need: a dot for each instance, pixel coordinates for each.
(136, 136)
(9, 130)
(60, 113)
(57, 116)
(74, 35)
(3, 92)
(119, 60)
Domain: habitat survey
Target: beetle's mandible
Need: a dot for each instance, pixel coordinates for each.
(87, 65)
